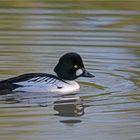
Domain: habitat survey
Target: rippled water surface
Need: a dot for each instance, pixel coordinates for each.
(34, 34)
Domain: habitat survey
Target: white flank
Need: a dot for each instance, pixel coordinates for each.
(51, 85)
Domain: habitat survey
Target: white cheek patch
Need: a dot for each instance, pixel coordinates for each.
(79, 72)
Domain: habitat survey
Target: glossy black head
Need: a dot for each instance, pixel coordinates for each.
(70, 67)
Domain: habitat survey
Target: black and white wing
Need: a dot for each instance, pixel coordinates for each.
(32, 82)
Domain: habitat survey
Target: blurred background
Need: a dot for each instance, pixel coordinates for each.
(35, 33)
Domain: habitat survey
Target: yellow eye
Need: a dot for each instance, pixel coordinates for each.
(75, 66)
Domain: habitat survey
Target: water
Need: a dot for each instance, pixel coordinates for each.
(33, 35)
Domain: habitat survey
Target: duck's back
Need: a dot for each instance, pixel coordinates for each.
(37, 82)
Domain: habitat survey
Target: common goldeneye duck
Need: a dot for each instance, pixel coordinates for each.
(69, 68)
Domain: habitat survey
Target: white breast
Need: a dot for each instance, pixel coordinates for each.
(46, 84)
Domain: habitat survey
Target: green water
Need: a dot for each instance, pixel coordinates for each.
(34, 34)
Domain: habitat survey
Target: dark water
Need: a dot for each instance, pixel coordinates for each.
(33, 35)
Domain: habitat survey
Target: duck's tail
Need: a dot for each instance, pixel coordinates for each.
(7, 88)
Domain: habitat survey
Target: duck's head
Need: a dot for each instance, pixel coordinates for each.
(70, 67)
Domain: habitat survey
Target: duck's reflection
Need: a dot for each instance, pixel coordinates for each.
(69, 105)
